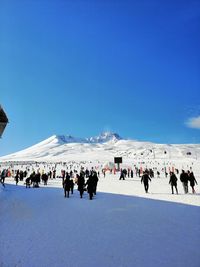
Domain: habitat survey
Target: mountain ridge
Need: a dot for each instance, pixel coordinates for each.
(102, 138)
(102, 148)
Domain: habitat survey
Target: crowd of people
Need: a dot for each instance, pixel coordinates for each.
(86, 180)
(185, 178)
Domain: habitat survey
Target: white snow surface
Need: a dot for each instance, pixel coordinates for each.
(122, 226)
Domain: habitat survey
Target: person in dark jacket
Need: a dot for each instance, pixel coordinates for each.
(145, 179)
(72, 186)
(192, 180)
(28, 182)
(66, 186)
(44, 178)
(90, 187)
(37, 179)
(95, 181)
(54, 174)
(173, 182)
(32, 177)
(81, 184)
(17, 177)
(131, 173)
(21, 175)
(184, 179)
(122, 175)
(3, 176)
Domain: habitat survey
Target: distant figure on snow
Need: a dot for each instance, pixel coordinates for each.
(90, 186)
(193, 181)
(145, 179)
(122, 175)
(17, 177)
(184, 179)
(67, 185)
(81, 183)
(173, 182)
(3, 176)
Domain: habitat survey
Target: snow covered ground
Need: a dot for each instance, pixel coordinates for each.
(122, 226)
(103, 148)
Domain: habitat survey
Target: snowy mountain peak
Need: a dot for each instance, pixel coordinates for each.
(105, 137)
(102, 138)
(62, 139)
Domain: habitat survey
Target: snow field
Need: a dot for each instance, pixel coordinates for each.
(122, 226)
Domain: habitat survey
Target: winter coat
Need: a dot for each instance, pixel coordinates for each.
(184, 177)
(67, 184)
(37, 177)
(44, 177)
(173, 180)
(71, 184)
(81, 183)
(90, 185)
(95, 179)
(192, 180)
(145, 178)
(122, 176)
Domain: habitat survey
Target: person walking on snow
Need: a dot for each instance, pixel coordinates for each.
(193, 181)
(95, 181)
(145, 179)
(173, 182)
(66, 186)
(184, 179)
(81, 184)
(17, 177)
(2, 177)
(90, 187)
(122, 175)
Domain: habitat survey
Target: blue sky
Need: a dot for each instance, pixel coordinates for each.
(83, 67)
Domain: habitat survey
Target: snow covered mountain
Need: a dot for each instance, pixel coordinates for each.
(102, 148)
(104, 137)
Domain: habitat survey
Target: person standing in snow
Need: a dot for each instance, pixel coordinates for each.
(81, 183)
(145, 179)
(63, 172)
(173, 182)
(21, 175)
(17, 177)
(95, 181)
(50, 174)
(67, 185)
(44, 178)
(122, 175)
(131, 173)
(90, 187)
(37, 179)
(184, 179)
(3, 176)
(72, 185)
(28, 182)
(192, 180)
(54, 174)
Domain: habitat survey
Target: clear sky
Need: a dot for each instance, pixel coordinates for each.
(83, 67)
